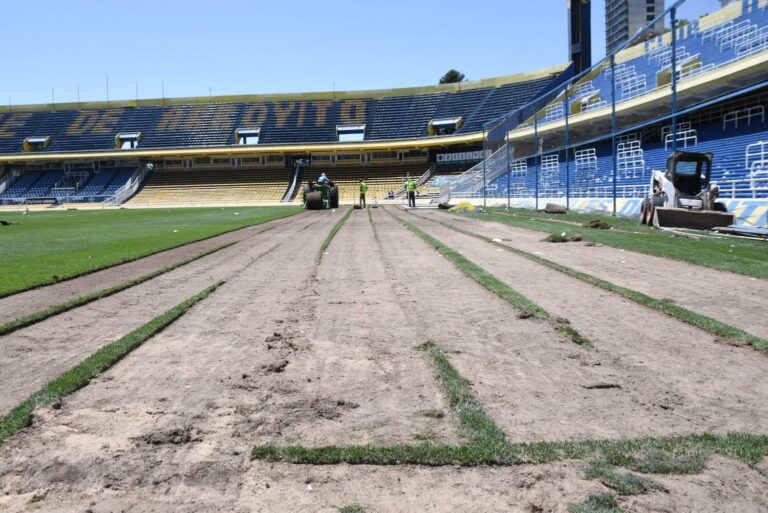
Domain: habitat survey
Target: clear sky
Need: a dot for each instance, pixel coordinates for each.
(243, 47)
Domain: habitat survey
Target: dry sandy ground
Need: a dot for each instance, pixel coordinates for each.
(35, 300)
(34, 355)
(732, 298)
(290, 352)
(669, 377)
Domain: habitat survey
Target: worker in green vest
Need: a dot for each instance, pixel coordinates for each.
(363, 190)
(410, 187)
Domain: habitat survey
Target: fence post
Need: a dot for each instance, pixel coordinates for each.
(509, 170)
(673, 23)
(536, 157)
(567, 163)
(613, 128)
(485, 145)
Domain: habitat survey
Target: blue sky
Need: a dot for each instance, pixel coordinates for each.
(274, 47)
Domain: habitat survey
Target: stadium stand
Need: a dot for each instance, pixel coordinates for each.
(213, 187)
(380, 180)
(403, 131)
(94, 187)
(722, 95)
(705, 45)
(736, 132)
(386, 117)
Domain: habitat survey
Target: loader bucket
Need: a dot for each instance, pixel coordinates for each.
(693, 219)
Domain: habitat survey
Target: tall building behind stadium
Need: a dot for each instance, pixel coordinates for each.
(623, 18)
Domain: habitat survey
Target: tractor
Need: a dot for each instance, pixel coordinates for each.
(683, 197)
(319, 197)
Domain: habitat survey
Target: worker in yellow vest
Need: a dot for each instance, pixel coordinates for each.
(363, 190)
(410, 187)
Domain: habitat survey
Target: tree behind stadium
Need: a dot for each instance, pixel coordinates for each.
(451, 77)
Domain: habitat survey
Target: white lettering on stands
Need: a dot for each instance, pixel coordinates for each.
(464, 156)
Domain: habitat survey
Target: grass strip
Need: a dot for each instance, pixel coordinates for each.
(332, 234)
(488, 444)
(81, 374)
(667, 455)
(107, 227)
(746, 257)
(352, 508)
(605, 503)
(28, 320)
(702, 322)
(373, 225)
(474, 422)
(527, 307)
(623, 483)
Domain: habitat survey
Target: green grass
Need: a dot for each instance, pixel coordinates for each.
(474, 423)
(46, 247)
(527, 307)
(605, 503)
(81, 374)
(623, 483)
(664, 306)
(36, 317)
(728, 254)
(332, 234)
(352, 508)
(647, 455)
(373, 226)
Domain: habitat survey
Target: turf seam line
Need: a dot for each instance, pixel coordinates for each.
(703, 322)
(139, 257)
(105, 357)
(332, 234)
(34, 318)
(527, 307)
(373, 225)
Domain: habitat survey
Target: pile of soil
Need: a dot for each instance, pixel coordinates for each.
(600, 225)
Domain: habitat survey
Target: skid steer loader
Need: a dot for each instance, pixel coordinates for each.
(683, 197)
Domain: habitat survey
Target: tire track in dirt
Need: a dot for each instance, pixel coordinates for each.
(670, 378)
(35, 300)
(728, 297)
(34, 355)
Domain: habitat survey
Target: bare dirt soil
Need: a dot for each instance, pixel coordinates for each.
(668, 377)
(291, 352)
(35, 300)
(34, 355)
(728, 297)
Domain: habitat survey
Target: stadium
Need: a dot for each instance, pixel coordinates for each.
(553, 298)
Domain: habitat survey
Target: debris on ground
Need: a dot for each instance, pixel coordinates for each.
(563, 237)
(464, 206)
(276, 367)
(554, 208)
(597, 223)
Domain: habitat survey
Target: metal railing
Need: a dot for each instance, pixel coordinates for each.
(131, 186)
